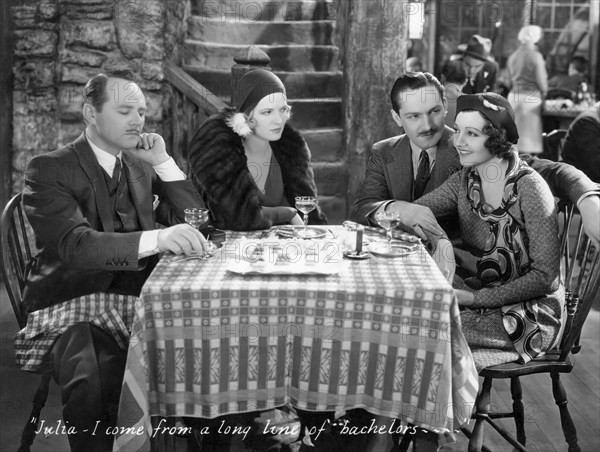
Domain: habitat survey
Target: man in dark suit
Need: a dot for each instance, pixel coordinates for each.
(407, 166)
(402, 168)
(481, 70)
(93, 205)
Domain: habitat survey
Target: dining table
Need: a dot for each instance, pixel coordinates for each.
(219, 335)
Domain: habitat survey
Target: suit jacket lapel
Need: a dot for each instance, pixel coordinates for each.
(93, 170)
(400, 170)
(141, 192)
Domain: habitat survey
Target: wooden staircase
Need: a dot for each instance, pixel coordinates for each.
(299, 37)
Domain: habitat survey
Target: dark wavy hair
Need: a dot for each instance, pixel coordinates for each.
(94, 91)
(497, 143)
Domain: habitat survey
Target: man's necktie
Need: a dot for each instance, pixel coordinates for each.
(116, 176)
(423, 175)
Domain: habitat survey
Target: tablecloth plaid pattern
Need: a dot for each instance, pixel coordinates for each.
(383, 334)
(111, 312)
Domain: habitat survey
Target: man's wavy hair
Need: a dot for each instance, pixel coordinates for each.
(94, 91)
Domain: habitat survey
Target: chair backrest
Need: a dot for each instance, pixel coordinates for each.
(16, 255)
(580, 271)
(553, 144)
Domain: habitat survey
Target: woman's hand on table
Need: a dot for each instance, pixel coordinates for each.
(182, 239)
(465, 297)
(281, 214)
(296, 221)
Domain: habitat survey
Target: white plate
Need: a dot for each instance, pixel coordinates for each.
(312, 232)
(397, 249)
(259, 268)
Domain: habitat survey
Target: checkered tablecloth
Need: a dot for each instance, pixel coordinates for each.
(382, 334)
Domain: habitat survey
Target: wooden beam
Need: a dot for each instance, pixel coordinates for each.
(194, 91)
(374, 41)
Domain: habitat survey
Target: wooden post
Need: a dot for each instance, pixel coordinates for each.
(374, 37)
(247, 59)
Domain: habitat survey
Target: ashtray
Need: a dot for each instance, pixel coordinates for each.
(356, 255)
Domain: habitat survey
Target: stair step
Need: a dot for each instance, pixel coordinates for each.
(293, 57)
(312, 113)
(232, 31)
(299, 85)
(267, 10)
(325, 144)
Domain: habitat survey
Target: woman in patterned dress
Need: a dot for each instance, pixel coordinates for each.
(507, 282)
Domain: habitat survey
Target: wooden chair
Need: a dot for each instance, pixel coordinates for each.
(16, 258)
(553, 144)
(582, 289)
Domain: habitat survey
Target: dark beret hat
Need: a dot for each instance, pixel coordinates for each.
(494, 108)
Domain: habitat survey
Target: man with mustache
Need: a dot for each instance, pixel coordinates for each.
(93, 206)
(403, 168)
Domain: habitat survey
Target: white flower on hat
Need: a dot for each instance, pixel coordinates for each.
(492, 106)
(239, 124)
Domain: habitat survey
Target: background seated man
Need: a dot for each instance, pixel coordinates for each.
(576, 73)
(582, 144)
(91, 205)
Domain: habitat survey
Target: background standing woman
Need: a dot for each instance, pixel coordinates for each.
(527, 72)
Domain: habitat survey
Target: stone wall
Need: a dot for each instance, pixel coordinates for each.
(59, 45)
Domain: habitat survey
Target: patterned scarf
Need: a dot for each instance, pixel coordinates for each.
(505, 257)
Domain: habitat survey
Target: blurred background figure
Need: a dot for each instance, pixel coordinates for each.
(577, 73)
(529, 80)
(582, 143)
(480, 67)
(454, 78)
(413, 64)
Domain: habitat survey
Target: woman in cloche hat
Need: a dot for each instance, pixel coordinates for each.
(248, 163)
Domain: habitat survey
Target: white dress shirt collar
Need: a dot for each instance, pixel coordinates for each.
(105, 159)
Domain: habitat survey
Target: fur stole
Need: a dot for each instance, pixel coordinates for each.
(218, 167)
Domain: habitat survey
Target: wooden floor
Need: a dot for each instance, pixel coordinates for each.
(541, 415)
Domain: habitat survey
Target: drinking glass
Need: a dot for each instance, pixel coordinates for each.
(388, 221)
(306, 204)
(196, 217)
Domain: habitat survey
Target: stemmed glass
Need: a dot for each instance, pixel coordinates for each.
(306, 204)
(388, 221)
(198, 218)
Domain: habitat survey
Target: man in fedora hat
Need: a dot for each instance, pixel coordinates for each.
(481, 70)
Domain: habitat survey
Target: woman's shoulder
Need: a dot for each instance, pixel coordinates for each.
(532, 183)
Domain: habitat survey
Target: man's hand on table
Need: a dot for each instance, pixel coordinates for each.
(417, 217)
(182, 239)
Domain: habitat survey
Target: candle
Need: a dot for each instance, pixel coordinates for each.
(359, 239)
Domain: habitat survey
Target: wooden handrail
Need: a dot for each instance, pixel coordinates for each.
(197, 93)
